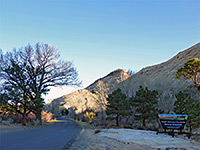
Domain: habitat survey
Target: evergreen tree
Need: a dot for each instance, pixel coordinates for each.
(117, 106)
(145, 103)
(191, 71)
(180, 104)
(15, 93)
(194, 115)
(186, 105)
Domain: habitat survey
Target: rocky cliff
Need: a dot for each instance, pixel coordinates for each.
(159, 77)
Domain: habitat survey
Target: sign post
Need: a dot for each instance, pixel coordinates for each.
(90, 116)
(173, 122)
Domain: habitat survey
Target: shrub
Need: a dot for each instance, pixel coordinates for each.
(10, 120)
(31, 116)
(29, 124)
(17, 118)
(7, 122)
(46, 123)
(36, 122)
(47, 116)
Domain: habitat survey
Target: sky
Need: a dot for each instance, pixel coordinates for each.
(100, 36)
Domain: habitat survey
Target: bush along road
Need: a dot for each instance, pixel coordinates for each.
(55, 137)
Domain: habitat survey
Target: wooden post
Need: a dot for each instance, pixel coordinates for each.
(173, 133)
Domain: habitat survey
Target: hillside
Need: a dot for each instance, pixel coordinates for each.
(159, 77)
(162, 77)
(92, 98)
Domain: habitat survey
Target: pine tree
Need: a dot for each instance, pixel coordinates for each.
(180, 104)
(145, 102)
(195, 115)
(186, 105)
(15, 93)
(191, 71)
(117, 106)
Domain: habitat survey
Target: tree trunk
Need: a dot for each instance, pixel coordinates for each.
(127, 118)
(198, 87)
(83, 118)
(117, 120)
(39, 117)
(24, 119)
(144, 125)
(132, 118)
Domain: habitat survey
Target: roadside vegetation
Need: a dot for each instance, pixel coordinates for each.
(13, 119)
(26, 74)
(117, 106)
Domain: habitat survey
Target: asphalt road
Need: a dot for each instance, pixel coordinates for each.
(55, 137)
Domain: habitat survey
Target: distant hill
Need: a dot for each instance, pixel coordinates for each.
(159, 77)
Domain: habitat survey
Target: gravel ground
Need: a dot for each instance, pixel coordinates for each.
(129, 139)
(150, 139)
(88, 140)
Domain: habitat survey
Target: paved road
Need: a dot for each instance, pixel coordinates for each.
(54, 137)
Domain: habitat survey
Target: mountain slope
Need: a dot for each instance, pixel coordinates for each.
(159, 77)
(162, 77)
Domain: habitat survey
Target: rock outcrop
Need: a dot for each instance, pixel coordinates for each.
(161, 77)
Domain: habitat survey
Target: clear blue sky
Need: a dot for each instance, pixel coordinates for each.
(100, 36)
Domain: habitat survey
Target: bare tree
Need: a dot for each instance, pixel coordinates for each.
(42, 69)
